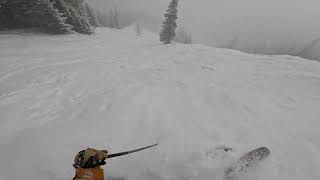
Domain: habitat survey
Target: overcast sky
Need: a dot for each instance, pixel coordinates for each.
(254, 24)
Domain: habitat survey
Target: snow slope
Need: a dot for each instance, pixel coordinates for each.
(60, 94)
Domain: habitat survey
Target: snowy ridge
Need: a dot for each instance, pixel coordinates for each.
(60, 94)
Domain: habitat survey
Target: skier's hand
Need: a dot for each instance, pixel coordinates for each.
(101, 163)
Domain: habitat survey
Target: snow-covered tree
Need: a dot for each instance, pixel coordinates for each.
(37, 13)
(6, 18)
(80, 23)
(56, 23)
(74, 10)
(169, 25)
(52, 16)
(92, 15)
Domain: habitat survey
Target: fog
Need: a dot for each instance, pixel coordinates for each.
(254, 26)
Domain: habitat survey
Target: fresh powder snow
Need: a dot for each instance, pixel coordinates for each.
(113, 90)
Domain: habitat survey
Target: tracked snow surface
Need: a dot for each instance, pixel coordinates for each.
(114, 90)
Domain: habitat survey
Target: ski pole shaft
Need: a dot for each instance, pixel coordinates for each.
(129, 152)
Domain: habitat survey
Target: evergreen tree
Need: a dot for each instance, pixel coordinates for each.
(74, 10)
(6, 18)
(92, 16)
(80, 23)
(56, 23)
(169, 25)
(52, 16)
(3, 2)
(37, 13)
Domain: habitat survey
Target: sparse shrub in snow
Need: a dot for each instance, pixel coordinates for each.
(110, 19)
(232, 44)
(138, 29)
(183, 37)
(102, 18)
(311, 50)
(169, 25)
(114, 15)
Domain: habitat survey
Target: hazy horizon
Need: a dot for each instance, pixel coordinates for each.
(255, 26)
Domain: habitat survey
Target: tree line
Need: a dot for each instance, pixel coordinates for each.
(55, 16)
(65, 16)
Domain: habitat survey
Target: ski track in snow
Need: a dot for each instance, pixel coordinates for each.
(60, 94)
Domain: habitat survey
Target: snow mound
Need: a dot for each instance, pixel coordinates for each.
(114, 90)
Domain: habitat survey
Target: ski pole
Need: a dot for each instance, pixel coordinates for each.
(129, 152)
